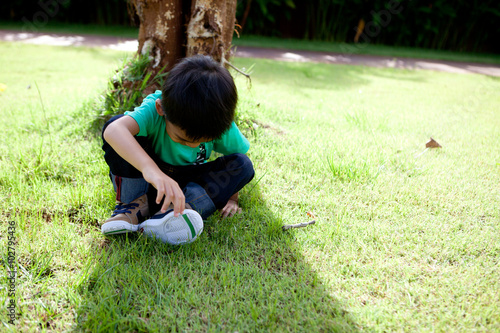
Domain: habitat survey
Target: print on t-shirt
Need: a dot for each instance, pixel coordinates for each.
(202, 154)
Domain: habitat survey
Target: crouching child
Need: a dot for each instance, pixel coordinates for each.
(157, 155)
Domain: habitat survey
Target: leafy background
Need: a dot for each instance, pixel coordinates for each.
(459, 26)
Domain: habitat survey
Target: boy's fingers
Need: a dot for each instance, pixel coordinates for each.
(159, 196)
(226, 212)
(230, 210)
(166, 203)
(179, 204)
(169, 196)
(173, 195)
(175, 202)
(183, 201)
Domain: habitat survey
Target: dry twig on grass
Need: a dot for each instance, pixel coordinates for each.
(298, 225)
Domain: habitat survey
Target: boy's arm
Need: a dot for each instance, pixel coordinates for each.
(120, 135)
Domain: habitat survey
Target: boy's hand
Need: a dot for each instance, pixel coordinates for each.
(230, 208)
(167, 187)
(120, 135)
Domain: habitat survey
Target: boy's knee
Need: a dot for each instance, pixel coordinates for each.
(193, 190)
(244, 165)
(198, 199)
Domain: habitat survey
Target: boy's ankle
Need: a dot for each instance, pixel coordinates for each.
(134, 213)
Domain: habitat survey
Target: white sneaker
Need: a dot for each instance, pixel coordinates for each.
(182, 229)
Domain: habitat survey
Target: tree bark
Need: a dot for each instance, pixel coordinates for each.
(160, 31)
(172, 29)
(211, 27)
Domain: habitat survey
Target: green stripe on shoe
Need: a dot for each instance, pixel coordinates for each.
(115, 231)
(193, 233)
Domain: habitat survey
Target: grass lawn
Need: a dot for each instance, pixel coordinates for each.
(406, 238)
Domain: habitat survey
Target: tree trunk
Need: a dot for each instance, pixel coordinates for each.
(169, 31)
(172, 29)
(160, 31)
(210, 29)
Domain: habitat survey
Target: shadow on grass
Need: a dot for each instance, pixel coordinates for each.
(243, 274)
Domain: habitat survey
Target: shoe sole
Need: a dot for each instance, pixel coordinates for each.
(118, 227)
(179, 230)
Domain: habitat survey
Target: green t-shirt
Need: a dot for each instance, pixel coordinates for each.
(152, 125)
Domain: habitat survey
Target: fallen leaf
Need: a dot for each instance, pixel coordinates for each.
(432, 144)
(311, 214)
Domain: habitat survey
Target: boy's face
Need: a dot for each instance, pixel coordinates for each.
(176, 133)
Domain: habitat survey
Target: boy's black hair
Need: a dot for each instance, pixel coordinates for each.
(200, 97)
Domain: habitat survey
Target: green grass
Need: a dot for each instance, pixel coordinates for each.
(406, 239)
(365, 49)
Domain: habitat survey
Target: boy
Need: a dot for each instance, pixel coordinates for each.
(165, 143)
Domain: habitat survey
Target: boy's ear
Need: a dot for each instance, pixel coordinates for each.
(159, 109)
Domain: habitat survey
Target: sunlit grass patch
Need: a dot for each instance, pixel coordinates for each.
(406, 238)
(349, 170)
